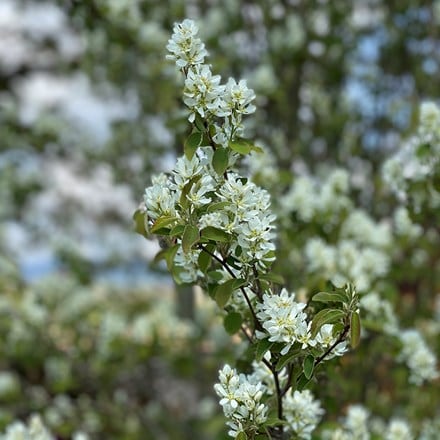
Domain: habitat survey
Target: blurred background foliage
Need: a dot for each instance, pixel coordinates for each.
(94, 338)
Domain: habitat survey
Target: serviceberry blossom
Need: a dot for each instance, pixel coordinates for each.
(284, 320)
(203, 92)
(411, 171)
(398, 429)
(302, 412)
(419, 358)
(160, 199)
(380, 311)
(184, 46)
(35, 430)
(326, 339)
(240, 397)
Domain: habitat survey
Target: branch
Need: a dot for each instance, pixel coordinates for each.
(332, 347)
(243, 291)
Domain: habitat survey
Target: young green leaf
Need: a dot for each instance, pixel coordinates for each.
(232, 322)
(355, 329)
(302, 382)
(272, 277)
(191, 144)
(215, 234)
(241, 436)
(204, 261)
(308, 366)
(220, 160)
(223, 292)
(262, 347)
(326, 316)
(327, 297)
(190, 237)
(163, 222)
(241, 146)
(177, 230)
(140, 223)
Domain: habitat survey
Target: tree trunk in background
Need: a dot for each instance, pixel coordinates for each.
(185, 302)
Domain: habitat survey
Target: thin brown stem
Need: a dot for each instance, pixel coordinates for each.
(243, 291)
(341, 337)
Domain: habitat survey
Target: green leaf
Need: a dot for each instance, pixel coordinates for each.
(177, 230)
(262, 347)
(272, 277)
(191, 144)
(241, 436)
(163, 222)
(257, 149)
(167, 255)
(326, 316)
(224, 291)
(215, 234)
(199, 122)
(220, 160)
(302, 382)
(355, 329)
(216, 275)
(190, 237)
(140, 223)
(286, 359)
(308, 366)
(232, 322)
(218, 206)
(241, 146)
(327, 297)
(204, 261)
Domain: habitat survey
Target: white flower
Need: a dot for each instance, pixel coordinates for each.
(356, 422)
(398, 430)
(418, 357)
(284, 320)
(202, 92)
(302, 412)
(184, 47)
(35, 430)
(240, 397)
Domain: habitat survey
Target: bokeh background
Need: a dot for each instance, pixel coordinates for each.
(94, 336)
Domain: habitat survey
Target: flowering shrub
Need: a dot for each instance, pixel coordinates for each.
(217, 229)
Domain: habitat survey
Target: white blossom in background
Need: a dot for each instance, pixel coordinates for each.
(323, 201)
(404, 226)
(34, 430)
(74, 100)
(420, 360)
(380, 311)
(240, 398)
(417, 161)
(398, 429)
(356, 422)
(302, 412)
(24, 29)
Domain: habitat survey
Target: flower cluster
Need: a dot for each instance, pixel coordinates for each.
(309, 198)
(354, 425)
(203, 93)
(35, 430)
(361, 255)
(244, 212)
(380, 312)
(284, 320)
(241, 397)
(411, 172)
(416, 354)
(302, 412)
